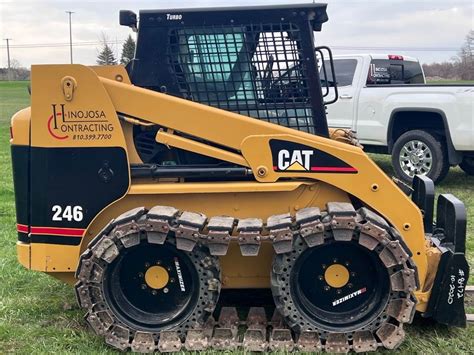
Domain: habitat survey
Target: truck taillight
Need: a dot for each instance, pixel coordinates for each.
(395, 57)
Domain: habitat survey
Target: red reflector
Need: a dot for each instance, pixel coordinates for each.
(11, 132)
(395, 57)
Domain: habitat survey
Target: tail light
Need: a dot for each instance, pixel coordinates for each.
(395, 57)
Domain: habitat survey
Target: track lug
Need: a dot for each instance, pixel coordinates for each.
(390, 335)
(157, 224)
(119, 338)
(364, 341)
(343, 220)
(196, 340)
(106, 250)
(393, 254)
(255, 335)
(311, 228)
(143, 342)
(280, 232)
(224, 339)
(281, 340)
(249, 236)
(96, 323)
(218, 238)
(403, 280)
(187, 234)
(337, 343)
(309, 341)
(401, 310)
(169, 342)
(225, 335)
(127, 234)
(371, 235)
(280, 336)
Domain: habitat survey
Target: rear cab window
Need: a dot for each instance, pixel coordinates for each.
(395, 72)
(344, 69)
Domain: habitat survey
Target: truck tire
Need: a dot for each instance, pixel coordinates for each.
(420, 153)
(467, 165)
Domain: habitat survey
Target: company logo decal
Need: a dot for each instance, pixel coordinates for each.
(295, 157)
(78, 124)
(349, 296)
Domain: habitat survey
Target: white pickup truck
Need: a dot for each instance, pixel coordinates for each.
(386, 101)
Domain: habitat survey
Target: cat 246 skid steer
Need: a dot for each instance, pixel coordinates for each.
(206, 166)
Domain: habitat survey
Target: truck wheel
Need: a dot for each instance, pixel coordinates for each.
(420, 153)
(133, 288)
(467, 165)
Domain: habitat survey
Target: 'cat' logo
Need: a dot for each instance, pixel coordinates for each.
(296, 160)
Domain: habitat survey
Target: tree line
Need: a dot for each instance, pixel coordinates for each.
(461, 67)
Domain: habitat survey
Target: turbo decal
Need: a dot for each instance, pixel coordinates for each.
(90, 124)
(295, 157)
(349, 296)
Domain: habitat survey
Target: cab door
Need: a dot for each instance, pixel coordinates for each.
(343, 113)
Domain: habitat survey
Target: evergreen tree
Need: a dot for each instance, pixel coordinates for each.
(128, 50)
(106, 55)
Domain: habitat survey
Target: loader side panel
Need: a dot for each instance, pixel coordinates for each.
(70, 186)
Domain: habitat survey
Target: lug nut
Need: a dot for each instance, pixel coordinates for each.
(143, 287)
(166, 290)
(327, 288)
(154, 293)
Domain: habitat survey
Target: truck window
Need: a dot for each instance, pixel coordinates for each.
(395, 72)
(345, 70)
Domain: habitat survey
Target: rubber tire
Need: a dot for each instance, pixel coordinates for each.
(438, 149)
(467, 165)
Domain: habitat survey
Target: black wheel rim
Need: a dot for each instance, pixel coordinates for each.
(143, 307)
(357, 303)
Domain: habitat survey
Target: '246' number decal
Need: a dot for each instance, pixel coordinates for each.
(69, 213)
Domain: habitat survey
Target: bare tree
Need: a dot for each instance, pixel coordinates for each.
(466, 58)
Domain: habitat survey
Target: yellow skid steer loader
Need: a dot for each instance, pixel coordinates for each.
(206, 166)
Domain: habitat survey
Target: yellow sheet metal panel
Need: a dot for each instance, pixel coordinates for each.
(23, 254)
(54, 257)
(85, 118)
(370, 185)
(20, 126)
(112, 72)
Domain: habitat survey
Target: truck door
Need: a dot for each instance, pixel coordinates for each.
(342, 113)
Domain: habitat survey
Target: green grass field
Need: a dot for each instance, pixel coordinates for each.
(38, 314)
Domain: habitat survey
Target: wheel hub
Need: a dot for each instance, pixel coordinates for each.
(156, 277)
(337, 275)
(415, 158)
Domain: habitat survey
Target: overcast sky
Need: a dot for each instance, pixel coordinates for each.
(431, 30)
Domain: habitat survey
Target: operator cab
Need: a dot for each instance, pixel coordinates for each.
(257, 61)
